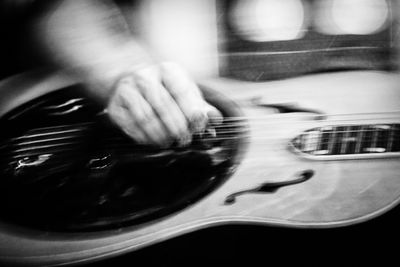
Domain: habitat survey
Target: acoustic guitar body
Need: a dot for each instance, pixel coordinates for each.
(317, 151)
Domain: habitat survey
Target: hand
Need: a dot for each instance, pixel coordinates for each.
(159, 105)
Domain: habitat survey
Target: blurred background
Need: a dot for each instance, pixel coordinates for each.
(253, 40)
(258, 40)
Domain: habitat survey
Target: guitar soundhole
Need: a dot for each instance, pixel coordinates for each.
(65, 167)
(349, 141)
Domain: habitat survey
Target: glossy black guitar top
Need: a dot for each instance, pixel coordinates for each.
(66, 167)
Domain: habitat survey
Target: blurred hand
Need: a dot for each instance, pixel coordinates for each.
(158, 105)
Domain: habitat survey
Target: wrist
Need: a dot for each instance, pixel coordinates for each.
(101, 76)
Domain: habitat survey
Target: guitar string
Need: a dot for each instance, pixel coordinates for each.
(20, 147)
(222, 134)
(147, 149)
(134, 154)
(269, 116)
(136, 151)
(226, 135)
(394, 112)
(236, 122)
(241, 123)
(145, 155)
(245, 122)
(36, 132)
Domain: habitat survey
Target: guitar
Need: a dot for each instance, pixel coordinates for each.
(312, 152)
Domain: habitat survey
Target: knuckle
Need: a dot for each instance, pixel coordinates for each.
(143, 120)
(115, 112)
(125, 81)
(160, 107)
(166, 118)
(124, 92)
(127, 99)
(146, 74)
(181, 91)
(144, 82)
(148, 86)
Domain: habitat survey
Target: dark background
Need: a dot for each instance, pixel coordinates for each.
(375, 242)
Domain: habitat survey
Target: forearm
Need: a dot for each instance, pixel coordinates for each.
(152, 103)
(90, 39)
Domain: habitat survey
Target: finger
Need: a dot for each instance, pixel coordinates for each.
(214, 115)
(186, 94)
(165, 107)
(145, 119)
(143, 115)
(120, 116)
